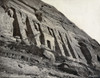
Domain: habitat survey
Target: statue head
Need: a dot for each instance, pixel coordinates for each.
(10, 11)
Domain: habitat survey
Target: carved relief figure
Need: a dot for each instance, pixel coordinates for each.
(7, 23)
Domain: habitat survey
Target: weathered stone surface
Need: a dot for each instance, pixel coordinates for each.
(31, 30)
(6, 26)
(49, 55)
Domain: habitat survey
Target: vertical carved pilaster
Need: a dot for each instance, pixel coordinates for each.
(59, 42)
(74, 47)
(66, 45)
(22, 26)
(70, 45)
(35, 30)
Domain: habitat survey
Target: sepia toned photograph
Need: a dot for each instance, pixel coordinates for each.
(49, 39)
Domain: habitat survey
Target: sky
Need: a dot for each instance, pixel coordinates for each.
(84, 13)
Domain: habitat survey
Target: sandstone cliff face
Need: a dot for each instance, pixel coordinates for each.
(33, 33)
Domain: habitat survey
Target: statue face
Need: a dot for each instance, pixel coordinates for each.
(23, 18)
(11, 12)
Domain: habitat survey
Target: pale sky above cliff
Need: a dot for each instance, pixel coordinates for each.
(84, 13)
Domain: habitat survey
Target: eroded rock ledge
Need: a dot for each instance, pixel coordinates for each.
(36, 34)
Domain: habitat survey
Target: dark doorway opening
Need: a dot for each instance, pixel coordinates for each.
(16, 28)
(49, 44)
